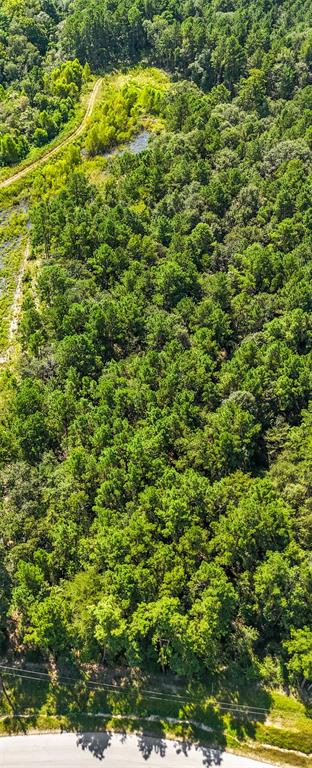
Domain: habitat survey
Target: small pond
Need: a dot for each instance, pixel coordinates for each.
(136, 145)
(139, 143)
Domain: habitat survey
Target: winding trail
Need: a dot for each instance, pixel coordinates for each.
(63, 143)
(17, 299)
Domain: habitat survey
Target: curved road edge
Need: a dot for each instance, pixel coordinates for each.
(63, 143)
(118, 750)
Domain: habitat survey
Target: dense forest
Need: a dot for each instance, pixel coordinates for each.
(156, 444)
(38, 88)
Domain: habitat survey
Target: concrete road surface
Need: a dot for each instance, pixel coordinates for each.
(118, 751)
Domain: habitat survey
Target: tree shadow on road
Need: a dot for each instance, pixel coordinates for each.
(96, 743)
(149, 744)
(210, 755)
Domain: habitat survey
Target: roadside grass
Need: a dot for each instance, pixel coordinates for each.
(284, 738)
(160, 729)
(284, 730)
(269, 754)
(287, 726)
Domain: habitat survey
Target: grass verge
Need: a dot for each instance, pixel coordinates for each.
(282, 734)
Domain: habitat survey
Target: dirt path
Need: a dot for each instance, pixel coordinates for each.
(16, 307)
(50, 153)
(17, 300)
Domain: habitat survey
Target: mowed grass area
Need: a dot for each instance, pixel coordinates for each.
(288, 725)
(278, 734)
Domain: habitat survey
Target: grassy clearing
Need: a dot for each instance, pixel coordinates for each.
(96, 168)
(112, 84)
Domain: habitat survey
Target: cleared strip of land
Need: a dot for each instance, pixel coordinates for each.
(63, 143)
(17, 299)
(16, 307)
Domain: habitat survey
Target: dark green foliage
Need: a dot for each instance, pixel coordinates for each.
(163, 408)
(259, 49)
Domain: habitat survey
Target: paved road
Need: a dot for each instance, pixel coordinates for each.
(63, 143)
(119, 751)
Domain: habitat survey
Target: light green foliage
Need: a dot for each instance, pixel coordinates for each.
(127, 104)
(110, 627)
(300, 653)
